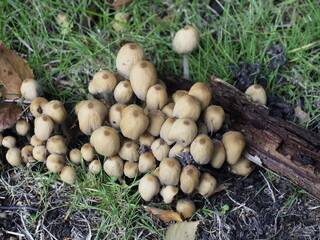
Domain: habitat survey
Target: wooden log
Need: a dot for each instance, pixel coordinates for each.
(283, 147)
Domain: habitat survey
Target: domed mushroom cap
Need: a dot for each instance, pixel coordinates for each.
(168, 110)
(34, 141)
(103, 82)
(75, 156)
(183, 131)
(149, 187)
(207, 185)
(106, 141)
(146, 139)
(214, 117)
(201, 149)
(189, 179)
(187, 107)
(37, 106)
(57, 144)
(95, 167)
(22, 127)
(128, 55)
(169, 172)
(165, 130)
(123, 92)
(178, 94)
(91, 115)
(202, 92)
(9, 142)
(185, 207)
(156, 97)
(160, 149)
(87, 152)
(130, 169)
(68, 174)
(234, 144)
(177, 149)
(134, 122)
(129, 151)
(143, 75)
(168, 193)
(156, 119)
(43, 127)
(115, 113)
(243, 167)
(39, 153)
(257, 93)
(146, 162)
(30, 89)
(55, 163)
(186, 40)
(113, 166)
(13, 157)
(27, 154)
(219, 154)
(56, 111)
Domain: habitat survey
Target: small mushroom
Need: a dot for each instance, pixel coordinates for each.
(202, 92)
(56, 111)
(39, 153)
(156, 119)
(121, 18)
(113, 166)
(146, 162)
(95, 167)
(103, 83)
(68, 174)
(9, 142)
(123, 92)
(27, 154)
(183, 131)
(103, 135)
(187, 107)
(87, 152)
(115, 113)
(43, 127)
(156, 97)
(13, 157)
(168, 193)
(22, 127)
(257, 94)
(130, 169)
(30, 89)
(214, 117)
(243, 167)
(37, 106)
(185, 207)
(234, 144)
(207, 185)
(129, 151)
(149, 187)
(165, 130)
(57, 144)
(201, 149)
(189, 179)
(168, 110)
(169, 172)
(219, 154)
(34, 141)
(160, 149)
(75, 156)
(146, 139)
(177, 149)
(178, 94)
(55, 163)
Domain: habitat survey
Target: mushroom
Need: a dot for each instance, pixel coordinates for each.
(113, 166)
(189, 179)
(75, 156)
(156, 119)
(149, 187)
(34, 141)
(121, 18)
(68, 174)
(9, 142)
(214, 117)
(234, 144)
(169, 172)
(243, 167)
(219, 154)
(95, 167)
(30, 89)
(156, 97)
(257, 94)
(13, 157)
(115, 113)
(178, 94)
(201, 149)
(177, 149)
(103, 83)
(202, 128)
(57, 144)
(22, 127)
(103, 135)
(129, 151)
(130, 169)
(160, 149)
(123, 92)
(168, 193)
(27, 154)
(55, 163)
(146, 139)
(142, 76)
(128, 55)
(39, 153)
(185, 41)
(133, 122)
(165, 130)
(156, 172)
(207, 185)
(183, 131)
(168, 110)
(146, 162)
(43, 127)
(87, 152)
(202, 92)
(187, 107)
(56, 111)
(37, 106)
(185, 207)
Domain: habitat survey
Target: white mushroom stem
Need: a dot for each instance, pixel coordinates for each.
(185, 66)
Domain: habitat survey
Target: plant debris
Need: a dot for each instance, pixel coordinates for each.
(164, 215)
(278, 57)
(182, 231)
(280, 109)
(9, 115)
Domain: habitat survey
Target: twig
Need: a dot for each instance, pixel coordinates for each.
(17, 208)
(15, 233)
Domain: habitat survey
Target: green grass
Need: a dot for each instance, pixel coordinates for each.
(65, 63)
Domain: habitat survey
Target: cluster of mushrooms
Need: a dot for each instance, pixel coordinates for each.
(163, 140)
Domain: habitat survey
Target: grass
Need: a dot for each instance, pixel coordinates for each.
(64, 63)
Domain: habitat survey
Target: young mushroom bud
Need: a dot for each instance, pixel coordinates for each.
(55, 163)
(214, 117)
(68, 174)
(183, 131)
(160, 149)
(149, 187)
(178, 94)
(243, 167)
(9, 142)
(75, 156)
(39, 153)
(168, 193)
(22, 127)
(113, 166)
(130, 169)
(87, 152)
(169, 172)
(257, 93)
(115, 113)
(187, 107)
(185, 207)
(202, 92)
(168, 110)
(95, 167)
(177, 149)
(219, 154)
(201, 149)
(34, 141)
(143, 75)
(146, 162)
(56, 111)
(189, 179)
(234, 144)
(103, 135)
(103, 83)
(133, 122)
(156, 119)
(30, 89)
(121, 18)
(207, 185)
(128, 55)
(156, 97)
(57, 144)
(37, 106)
(13, 157)
(165, 130)
(27, 154)
(91, 115)
(129, 151)
(123, 92)
(146, 139)
(43, 127)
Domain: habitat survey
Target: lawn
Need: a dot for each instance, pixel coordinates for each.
(274, 43)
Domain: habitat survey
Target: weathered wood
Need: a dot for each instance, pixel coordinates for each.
(283, 147)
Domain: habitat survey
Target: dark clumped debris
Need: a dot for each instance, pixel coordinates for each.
(306, 160)
(278, 57)
(278, 108)
(185, 158)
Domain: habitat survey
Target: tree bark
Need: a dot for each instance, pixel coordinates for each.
(283, 147)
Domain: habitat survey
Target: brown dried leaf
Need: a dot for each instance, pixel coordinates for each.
(9, 115)
(119, 4)
(164, 215)
(221, 187)
(300, 114)
(182, 231)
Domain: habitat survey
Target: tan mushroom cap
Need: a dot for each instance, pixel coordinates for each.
(103, 135)
(160, 149)
(68, 174)
(219, 154)
(183, 131)
(169, 173)
(75, 156)
(234, 144)
(186, 40)
(146, 162)
(168, 193)
(22, 127)
(146, 139)
(56, 111)
(57, 144)
(214, 117)
(87, 152)
(185, 207)
(156, 119)
(113, 166)
(201, 149)
(177, 149)
(115, 113)
(257, 93)
(165, 130)
(95, 167)
(149, 187)
(156, 97)
(37, 106)
(13, 157)
(34, 141)
(207, 185)
(168, 110)
(9, 141)
(30, 89)
(189, 179)
(243, 167)
(103, 82)
(122, 18)
(129, 151)
(202, 92)
(123, 92)
(39, 153)
(130, 169)
(27, 154)
(55, 163)
(178, 94)
(187, 107)
(43, 127)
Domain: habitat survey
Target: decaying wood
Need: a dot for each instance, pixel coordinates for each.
(282, 146)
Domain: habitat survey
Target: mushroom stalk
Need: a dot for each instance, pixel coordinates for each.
(185, 67)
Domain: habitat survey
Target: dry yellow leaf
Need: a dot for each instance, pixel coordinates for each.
(164, 215)
(182, 231)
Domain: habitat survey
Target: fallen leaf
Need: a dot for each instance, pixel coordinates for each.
(182, 231)
(300, 114)
(9, 115)
(119, 4)
(164, 215)
(221, 187)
